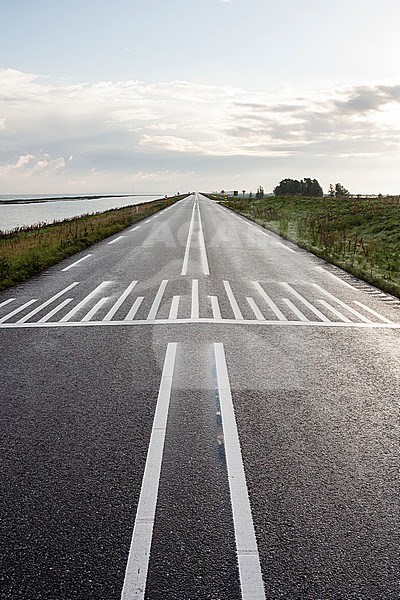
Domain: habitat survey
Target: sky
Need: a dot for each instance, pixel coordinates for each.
(160, 96)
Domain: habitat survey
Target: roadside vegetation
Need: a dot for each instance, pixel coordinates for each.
(27, 251)
(360, 235)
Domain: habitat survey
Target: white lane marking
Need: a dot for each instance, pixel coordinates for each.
(76, 263)
(269, 301)
(135, 307)
(305, 302)
(119, 302)
(139, 554)
(121, 237)
(134, 229)
(334, 311)
(203, 251)
(17, 310)
(232, 300)
(343, 304)
(284, 246)
(195, 299)
(215, 307)
(252, 586)
(372, 312)
(336, 277)
(334, 324)
(157, 300)
(55, 310)
(257, 312)
(186, 257)
(83, 302)
(295, 310)
(95, 309)
(52, 299)
(6, 302)
(173, 313)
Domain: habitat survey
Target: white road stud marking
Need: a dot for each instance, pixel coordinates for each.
(157, 301)
(269, 301)
(134, 229)
(372, 312)
(139, 554)
(55, 310)
(119, 302)
(95, 309)
(284, 246)
(343, 304)
(319, 314)
(77, 262)
(136, 305)
(215, 307)
(251, 581)
(295, 310)
(49, 301)
(173, 313)
(83, 302)
(257, 312)
(334, 311)
(17, 310)
(233, 302)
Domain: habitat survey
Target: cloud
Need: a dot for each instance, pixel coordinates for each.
(116, 130)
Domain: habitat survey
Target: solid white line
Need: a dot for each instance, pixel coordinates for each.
(157, 300)
(6, 302)
(195, 299)
(186, 257)
(139, 554)
(203, 252)
(76, 263)
(372, 312)
(55, 310)
(136, 305)
(270, 302)
(336, 277)
(134, 229)
(334, 311)
(294, 309)
(333, 324)
(258, 314)
(343, 304)
(116, 240)
(119, 302)
(39, 308)
(81, 304)
(306, 302)
(95, 309)
(173, 313)
(17, 310)
(286, 247)
(232, 300)
(252, 586)
(215, 307)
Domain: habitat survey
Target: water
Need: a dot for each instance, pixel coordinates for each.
(28, 213)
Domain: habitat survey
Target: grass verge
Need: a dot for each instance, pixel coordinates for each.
(25, 252)
(360, 235)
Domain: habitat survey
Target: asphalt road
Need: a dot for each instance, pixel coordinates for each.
(197, 409)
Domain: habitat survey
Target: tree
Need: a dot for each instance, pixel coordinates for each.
(294, 187)
(260, 192)
(340, 191)
(331, 190)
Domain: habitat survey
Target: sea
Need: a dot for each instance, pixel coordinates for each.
(24, 210)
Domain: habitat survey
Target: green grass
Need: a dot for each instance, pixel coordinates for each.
(25, 252)
(360, 235)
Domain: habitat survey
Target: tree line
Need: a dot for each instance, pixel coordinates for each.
(308, 187)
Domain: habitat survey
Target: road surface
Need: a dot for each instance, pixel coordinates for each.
(197, 409)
